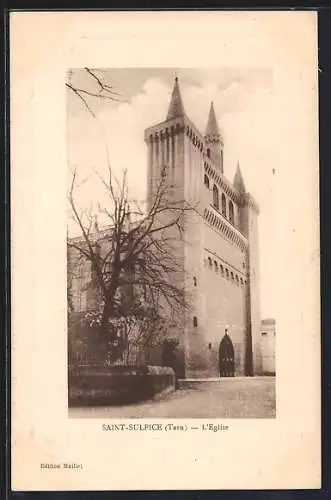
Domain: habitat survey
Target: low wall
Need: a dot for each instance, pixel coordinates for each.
(116, 385)
(268, 373)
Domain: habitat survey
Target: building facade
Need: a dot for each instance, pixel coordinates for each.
(219, 249)
(218, 252)
(268, 346)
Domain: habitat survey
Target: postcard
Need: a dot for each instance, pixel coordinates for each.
(165, 250)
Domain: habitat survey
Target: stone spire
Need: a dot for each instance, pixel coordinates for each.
(213, 139)
(212, 129)
(238, 181)
(176, 107)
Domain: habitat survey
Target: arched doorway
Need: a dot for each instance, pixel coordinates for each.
(226, 357)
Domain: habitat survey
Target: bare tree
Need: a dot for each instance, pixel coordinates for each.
(96, 87)
(136, 335)
(133, 262)
(134, 268)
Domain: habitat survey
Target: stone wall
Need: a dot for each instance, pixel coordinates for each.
(117, 385)
(217, 283)
(268, 346)
(217, 295)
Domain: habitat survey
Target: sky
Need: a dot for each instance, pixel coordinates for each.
(244, 108)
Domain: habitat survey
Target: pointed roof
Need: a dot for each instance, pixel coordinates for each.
(212, 125)
(176, 107)
(238, 181)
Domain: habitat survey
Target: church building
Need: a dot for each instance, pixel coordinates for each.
(219, 249)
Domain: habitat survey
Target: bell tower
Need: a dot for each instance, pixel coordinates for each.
(166, 171)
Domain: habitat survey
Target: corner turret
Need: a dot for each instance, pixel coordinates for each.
(214, 140)
(238, 181)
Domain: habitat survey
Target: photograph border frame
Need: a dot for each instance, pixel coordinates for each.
(324, 23)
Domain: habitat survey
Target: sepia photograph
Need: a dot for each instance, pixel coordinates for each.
(165, 251)
(170, 243)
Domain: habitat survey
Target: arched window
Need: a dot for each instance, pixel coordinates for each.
(94, 274)
(215, 197)
(195, 321)
(209, 346)
(231, 212)
(157, 149)
(232, 277)
(164, 171)
(237, 279)
(210, 263)
(223, 205)
(241, 282)
(227, 273)
(194, 281)
(208, 152)
(95, 265)
(216, 266)
(222, 270)
(206, 181)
